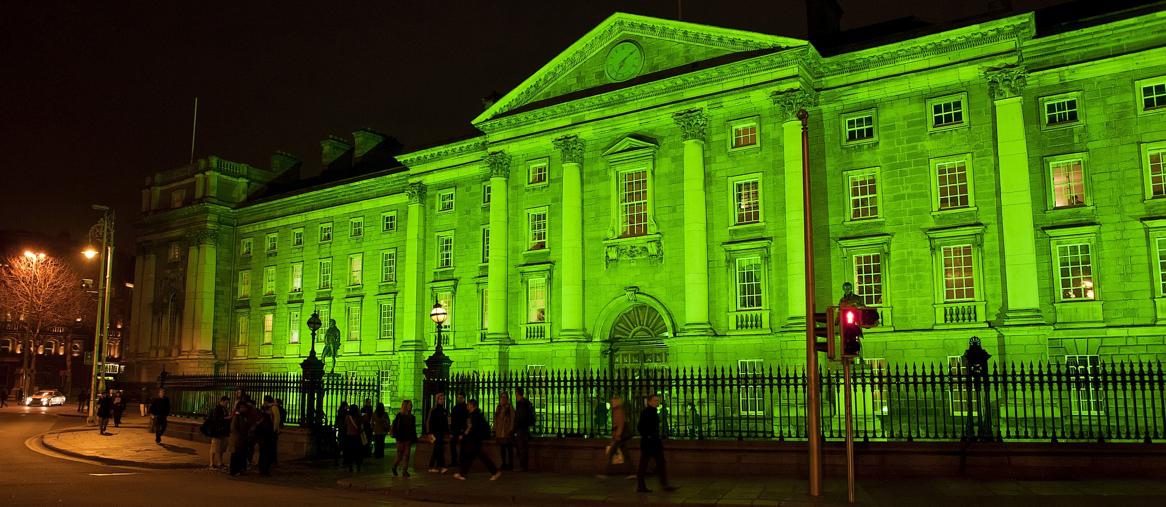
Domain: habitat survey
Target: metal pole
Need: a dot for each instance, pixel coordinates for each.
(846, 365)
(105, 308)
(813, 400)
(92, 416)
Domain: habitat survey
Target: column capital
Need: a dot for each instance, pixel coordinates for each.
(203, 237)
(1006, 82)
(499, 163)
(790, 101)
(693, 124)
(415, 192)
(571, 149)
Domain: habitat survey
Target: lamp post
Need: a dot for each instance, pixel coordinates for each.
(311, 390)
(437, 365)
(101, 231)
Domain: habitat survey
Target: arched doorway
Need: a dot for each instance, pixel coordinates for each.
(636, 340)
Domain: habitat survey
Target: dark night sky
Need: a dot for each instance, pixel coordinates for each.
(94, 96)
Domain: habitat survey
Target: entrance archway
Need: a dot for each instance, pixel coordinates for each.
(636, 339)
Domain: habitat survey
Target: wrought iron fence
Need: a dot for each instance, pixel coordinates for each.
(194, 395)
(1102, 402)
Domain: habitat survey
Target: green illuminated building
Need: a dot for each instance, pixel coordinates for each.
(637, 202)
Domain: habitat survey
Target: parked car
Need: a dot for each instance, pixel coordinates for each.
(46, 398)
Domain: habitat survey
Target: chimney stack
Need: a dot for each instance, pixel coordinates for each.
(366, 140)
(282, 161)
(334, 150)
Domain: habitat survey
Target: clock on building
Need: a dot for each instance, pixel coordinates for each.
(624, 61)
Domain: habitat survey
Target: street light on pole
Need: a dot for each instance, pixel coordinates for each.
(101, 232)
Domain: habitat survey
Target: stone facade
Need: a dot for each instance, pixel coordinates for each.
(992, 180)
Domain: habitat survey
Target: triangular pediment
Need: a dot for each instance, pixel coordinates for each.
(660, 46)
(630, 147)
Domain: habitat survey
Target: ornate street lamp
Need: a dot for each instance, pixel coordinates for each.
(437, 365)
(314, 325)
(439, 316)
(101, 233)
(312, 390)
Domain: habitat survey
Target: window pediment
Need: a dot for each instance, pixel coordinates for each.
(630, 148)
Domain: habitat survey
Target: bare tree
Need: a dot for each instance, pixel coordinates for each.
(39, 295)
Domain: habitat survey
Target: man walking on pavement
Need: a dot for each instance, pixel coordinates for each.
(523, 423)
(437, 424)
(651, 446)
(477, 432)
(458, 418)
(160, 410)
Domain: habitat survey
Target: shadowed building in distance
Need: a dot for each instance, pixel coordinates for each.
(637, 202)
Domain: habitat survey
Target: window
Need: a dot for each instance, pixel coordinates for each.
(536, 300)
(1084, 374)
(863, 194)
(177, 198)
(1155, 162)
(297, 277)
(326, 232)
(272, 242)
(325, 273)
(1075, 271)
(352, 320)
(858, 127)
(536, 229)
(1060, 110)
(959, 281)
(485, 244)
(175, 253)
(445, 201)
(752, 395)
(268, 327)
(293, 326)
(953, 186)
(297, 237)
(747, 201)
(241, 324)
(484, 299)
(356, 227)
(1153, 93)
(749, 293)
(389, 266)
(487, 190)
(536, 173)
(386, 320)
(444, 250)
(269, 281)
(947, 111)
(324, 310)
(1160, 245)
(743, 134)
(244, 247)
(1068, 182)
(244, 284)
(633, 202)
(868, 278)
(389, 222)
(355, 270)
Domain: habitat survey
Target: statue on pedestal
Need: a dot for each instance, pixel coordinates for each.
(331, 344)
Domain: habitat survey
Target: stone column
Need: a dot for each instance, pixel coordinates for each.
(205, 293)
(496, 288)
(571, 325)
(189, 298)
(413, 302)
(1022, 302)
(788, 103)
(144, 311)
(135, 330)
(693, 128)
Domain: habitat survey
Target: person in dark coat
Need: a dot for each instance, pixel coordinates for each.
(651, 446)
(366, 412)
(437, 423)
(405, 431)
(523, 423)
(354, 448)
(105, 410)
(160, 410)
(119, 408)
(242, 431)
(477, 431)
(341, 434)
(459, 416)
(380, 430)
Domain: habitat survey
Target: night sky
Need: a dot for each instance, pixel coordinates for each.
(94, 96)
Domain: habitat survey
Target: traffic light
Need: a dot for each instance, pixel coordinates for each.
(853, 321)
(824, 328)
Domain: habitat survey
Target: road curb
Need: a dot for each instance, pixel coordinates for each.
(109, 461)
(439, 495)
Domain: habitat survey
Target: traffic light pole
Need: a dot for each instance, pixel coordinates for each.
(813, 398)
(846, 366)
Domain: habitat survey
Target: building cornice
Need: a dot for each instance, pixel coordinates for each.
(443, 152)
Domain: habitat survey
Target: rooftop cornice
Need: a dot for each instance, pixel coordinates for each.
(443, 151)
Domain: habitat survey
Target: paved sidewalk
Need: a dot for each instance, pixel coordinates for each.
(130, 445)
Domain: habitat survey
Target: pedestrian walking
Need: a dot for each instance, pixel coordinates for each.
(143, 401)
(459, 417)
(405, 432)
(104, 411)
(651, 446)
(354, 439)
(160, 410)
(341, 431)
(366, 412)
(242, 430)
(265, 435)
(380, 430)
(621, 432)
(81, 401)
(437, 423)
(119, 407)
(476, 432)
(217, 427)
(524, 419)
(504, 430)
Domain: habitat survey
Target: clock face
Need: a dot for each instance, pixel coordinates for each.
(624, 61)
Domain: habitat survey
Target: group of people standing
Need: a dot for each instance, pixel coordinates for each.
(110, 405)
(466, 428)
(249, 431)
